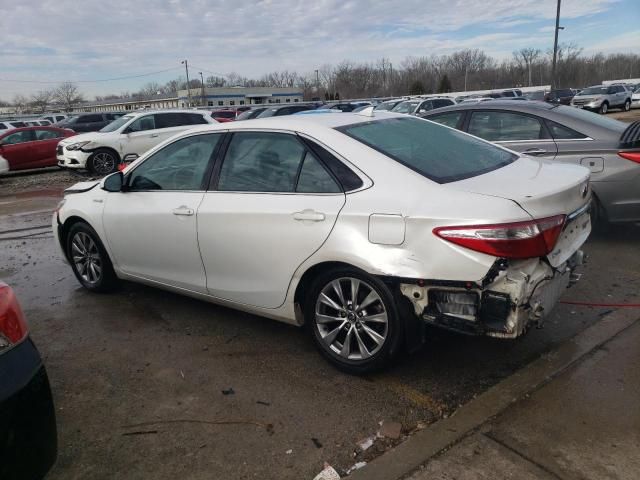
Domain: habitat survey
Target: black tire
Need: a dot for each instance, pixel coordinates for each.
(599, 221)
(354, 329)
(103, 162)
(77, 247)
(627, 106)
(604, 108)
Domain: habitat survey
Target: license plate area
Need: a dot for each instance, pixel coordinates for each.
(574, 234)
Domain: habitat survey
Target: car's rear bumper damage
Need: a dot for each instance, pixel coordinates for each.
(514, 296)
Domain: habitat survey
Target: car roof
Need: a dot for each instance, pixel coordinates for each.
(498, 104)
(166, 110)
(39, 127)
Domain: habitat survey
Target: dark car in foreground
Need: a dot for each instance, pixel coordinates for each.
(609, 148)
(31, 147)
(562, 96)
(28, 435)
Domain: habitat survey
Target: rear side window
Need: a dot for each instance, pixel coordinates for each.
(3, 126)
(195, 119)
(440, 154)
(90, 119)
(559, 132)
(18, 124)
(499, 126)
(450, 119)
(47, 134)
(261, 162)
(314, 178)
(439, 103)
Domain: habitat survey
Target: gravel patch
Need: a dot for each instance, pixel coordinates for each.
(46, 180)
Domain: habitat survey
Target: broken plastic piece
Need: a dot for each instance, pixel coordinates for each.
(328, 473)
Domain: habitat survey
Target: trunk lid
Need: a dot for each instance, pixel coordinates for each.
(542, 188)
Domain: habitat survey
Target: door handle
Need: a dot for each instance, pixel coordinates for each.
(309, 215)
(183, 210)
(535, 151)
(155, 135)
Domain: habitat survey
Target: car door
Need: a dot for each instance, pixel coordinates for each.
(19, 150)
(151, 225)
(46, 141)
(271, 205)
(139, 136)
(514, 130)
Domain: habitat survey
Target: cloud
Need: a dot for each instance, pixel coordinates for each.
(67, 39)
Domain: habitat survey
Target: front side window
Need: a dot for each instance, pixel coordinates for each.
(18, 137)
(440, 154)
(116, 124)
(499, 126)
(180, 165)
(450, 119)
(47, 134)
(261, 162)
(142, 124)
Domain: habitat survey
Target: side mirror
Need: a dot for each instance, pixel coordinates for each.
(114, 182)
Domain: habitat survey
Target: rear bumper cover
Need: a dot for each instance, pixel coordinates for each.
(28, 435)
(514, 296)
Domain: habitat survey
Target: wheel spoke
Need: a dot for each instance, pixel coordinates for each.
(346, 346)
(77, 247)
(330, 337)
(328, 301)
(92, 273)
(375, 336)
(364, 353)
(324, 319)
(338, 289)
(376, 318)
(369, 299)
(355, 286)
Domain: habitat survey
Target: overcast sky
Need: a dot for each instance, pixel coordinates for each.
(54, 40)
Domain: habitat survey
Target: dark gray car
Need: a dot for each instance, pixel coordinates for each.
(609, 148)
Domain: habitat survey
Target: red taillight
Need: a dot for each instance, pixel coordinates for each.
(633, 156)
(534, 238)
(13, 326)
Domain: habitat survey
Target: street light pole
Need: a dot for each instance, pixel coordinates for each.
(318, 83)
(186, 69)
(202, 89)
(555, 48)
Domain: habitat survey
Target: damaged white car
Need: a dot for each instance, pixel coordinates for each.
(363, 228)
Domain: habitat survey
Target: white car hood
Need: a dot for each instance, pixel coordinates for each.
(85, 137)
(540, 187)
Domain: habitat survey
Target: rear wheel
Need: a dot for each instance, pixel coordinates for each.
(604, 108)
(89, 259)
(353, 320)
(103, 162)
(627, 106)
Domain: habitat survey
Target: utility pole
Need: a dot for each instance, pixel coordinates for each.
(202, 89)
(186, 69)
(555, 48)
(466, 69)
(318, 83)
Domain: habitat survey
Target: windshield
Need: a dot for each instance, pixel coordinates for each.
(594, 91)
(591, 117)
(116, 124)
(387, 105)
(439, 153)
(250, 114)
(405, 107)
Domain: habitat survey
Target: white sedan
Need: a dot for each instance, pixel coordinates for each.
(365, 228)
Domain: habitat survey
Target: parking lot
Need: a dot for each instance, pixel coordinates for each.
(149, 384)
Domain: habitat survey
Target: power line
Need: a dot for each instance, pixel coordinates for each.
(90, 81)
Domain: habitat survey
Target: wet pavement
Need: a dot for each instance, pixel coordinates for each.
(139, 376)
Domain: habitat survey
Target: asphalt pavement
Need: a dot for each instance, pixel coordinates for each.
(149, 384)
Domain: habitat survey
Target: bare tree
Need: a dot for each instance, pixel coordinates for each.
(41, 100)
(20, 102)
(528, 56)
(68, 95)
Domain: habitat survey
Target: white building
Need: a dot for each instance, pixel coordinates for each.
(236, 96)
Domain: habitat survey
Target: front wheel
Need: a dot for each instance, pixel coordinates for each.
(89, 259)
(102, 162)
(604, 108)
(353, 320)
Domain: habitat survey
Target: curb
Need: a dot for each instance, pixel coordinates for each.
(418, 449)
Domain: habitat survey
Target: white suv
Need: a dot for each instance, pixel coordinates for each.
(125, 139)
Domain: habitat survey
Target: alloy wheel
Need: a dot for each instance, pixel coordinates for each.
(86, 258)
(351, 318)
(103, 163)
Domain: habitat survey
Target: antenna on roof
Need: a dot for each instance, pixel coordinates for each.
(367, 112)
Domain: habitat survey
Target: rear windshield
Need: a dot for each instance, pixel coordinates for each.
(592, 117)
(594, 91)
(439, 153)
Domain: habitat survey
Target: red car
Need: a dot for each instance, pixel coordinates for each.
(31, 147)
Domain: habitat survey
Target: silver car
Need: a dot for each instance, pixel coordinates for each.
(603, 97)
(609, 148)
